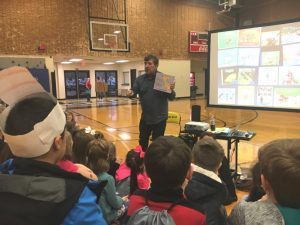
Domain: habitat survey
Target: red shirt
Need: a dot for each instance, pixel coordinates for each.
(183, 213)
(88, 84)
(67, 165)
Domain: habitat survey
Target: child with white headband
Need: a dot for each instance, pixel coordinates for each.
(33, 190)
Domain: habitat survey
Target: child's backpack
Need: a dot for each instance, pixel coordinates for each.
(146, 216)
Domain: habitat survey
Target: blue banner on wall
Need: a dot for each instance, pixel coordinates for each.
(42, 76)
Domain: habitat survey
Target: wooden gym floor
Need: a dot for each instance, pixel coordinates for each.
(118, 120)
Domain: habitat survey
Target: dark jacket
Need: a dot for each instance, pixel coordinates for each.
(209, 195)
(154, 103)
(183, 213)
(34, 193)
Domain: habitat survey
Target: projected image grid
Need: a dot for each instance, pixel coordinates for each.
(260, 66)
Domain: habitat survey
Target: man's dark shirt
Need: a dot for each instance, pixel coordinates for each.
(154, 103)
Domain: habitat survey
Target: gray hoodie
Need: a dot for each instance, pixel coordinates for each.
(255, 213)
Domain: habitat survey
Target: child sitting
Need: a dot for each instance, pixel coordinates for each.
(167, 161)
(279, 163)
(131, 175)
(66, 164)
(205, 188)
(80, 142)
(97, 159)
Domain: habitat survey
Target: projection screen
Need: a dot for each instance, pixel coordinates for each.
(256, 67)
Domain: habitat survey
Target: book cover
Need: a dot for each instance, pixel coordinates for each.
(163, 81)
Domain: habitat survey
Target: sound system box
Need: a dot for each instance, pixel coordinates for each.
(196, 113)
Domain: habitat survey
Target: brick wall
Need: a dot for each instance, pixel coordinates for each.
(60, 25)
(157, 26)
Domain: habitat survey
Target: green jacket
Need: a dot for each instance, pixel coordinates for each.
(291, 216)
(109, 202)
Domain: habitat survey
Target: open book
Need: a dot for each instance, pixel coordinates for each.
(163, 81)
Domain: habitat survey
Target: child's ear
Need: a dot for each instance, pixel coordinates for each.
(265, 183)
(58, 143)
(217, 169)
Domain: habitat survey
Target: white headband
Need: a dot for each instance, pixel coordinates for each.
(16, 84)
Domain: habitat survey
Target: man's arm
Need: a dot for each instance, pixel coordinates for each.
(135, 89)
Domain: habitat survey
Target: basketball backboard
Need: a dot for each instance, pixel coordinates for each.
(109, 36)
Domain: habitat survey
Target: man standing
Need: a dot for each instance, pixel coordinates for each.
(100, 88)
(97, 88)
(154, 103)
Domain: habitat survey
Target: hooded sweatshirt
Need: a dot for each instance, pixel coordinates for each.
(209, 193)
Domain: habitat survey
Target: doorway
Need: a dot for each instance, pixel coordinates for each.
(111, 79)
(75, 83)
